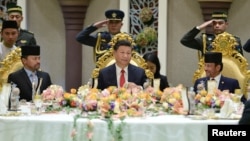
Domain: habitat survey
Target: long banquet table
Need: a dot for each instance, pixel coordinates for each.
(58, 127)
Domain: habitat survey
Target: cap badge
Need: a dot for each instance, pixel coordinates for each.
(114, 15)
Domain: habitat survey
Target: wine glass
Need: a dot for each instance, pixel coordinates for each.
(38, 103)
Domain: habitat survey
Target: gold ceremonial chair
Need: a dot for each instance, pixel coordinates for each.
(11, 63)
(108, 59)
(234, 64)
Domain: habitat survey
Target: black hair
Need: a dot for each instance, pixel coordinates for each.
(152, 57)
(221, 66)
(122, 43)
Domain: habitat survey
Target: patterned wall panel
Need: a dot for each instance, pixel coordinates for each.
(144, 24)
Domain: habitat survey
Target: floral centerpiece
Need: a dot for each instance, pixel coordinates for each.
(171, 99)
(53, 93)
(115, 101)
(56, 98)
(70, 99)
(132, 100)
(209, 103)
(207, 100)
(129, 101)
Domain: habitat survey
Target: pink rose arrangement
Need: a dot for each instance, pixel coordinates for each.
(53, 93)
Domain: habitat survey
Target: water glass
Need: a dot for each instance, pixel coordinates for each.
(38, 104)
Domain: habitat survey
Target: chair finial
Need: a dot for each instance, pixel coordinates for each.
(121, 36)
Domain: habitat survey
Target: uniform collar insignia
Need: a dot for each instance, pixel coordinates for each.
(23, 41)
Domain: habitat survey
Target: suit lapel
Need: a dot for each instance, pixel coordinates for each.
(113, 75)
(26, 78)
(205, 82)
(39, 79)
(130, 71)
(221, 84)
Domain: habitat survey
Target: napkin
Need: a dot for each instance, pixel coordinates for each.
(227, 109)
(3, 107)
(5, 94)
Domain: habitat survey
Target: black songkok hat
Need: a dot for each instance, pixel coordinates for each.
(219, 15)
(9, 24)
(114, 14)
(30, 50)
(213, 57)
(12, 7)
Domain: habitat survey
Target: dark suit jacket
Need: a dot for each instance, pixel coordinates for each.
(225, 83)
(107, 76)
(190, 40)
(21, 79)
(245, 119)
(246, 46)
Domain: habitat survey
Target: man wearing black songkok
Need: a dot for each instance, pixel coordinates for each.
(213, 67)
(29, 78)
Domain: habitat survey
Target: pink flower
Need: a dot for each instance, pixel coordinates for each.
(150, 90)
(53, 92)
(105, 93)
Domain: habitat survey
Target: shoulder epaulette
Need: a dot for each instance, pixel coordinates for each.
(27, 31)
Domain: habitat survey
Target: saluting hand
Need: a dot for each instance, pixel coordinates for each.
(101, 24)
(204, 25)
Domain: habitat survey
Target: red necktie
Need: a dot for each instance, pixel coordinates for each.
(122, 78)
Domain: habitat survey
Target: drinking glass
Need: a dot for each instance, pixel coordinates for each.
(236, 99)
(38, 104)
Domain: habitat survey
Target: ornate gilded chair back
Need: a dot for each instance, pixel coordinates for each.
(108, 59)
(234, 64)
(11, 63)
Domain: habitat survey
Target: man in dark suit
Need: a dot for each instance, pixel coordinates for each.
(245, 118)
(100, 40)
(219, 24)
(30, 79)
(121, 72)
(213, 67)
(15, 14)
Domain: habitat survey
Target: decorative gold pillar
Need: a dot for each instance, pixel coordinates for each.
(74, 13)
(208, 6)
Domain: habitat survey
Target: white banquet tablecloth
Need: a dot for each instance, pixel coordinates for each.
(58, 127)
